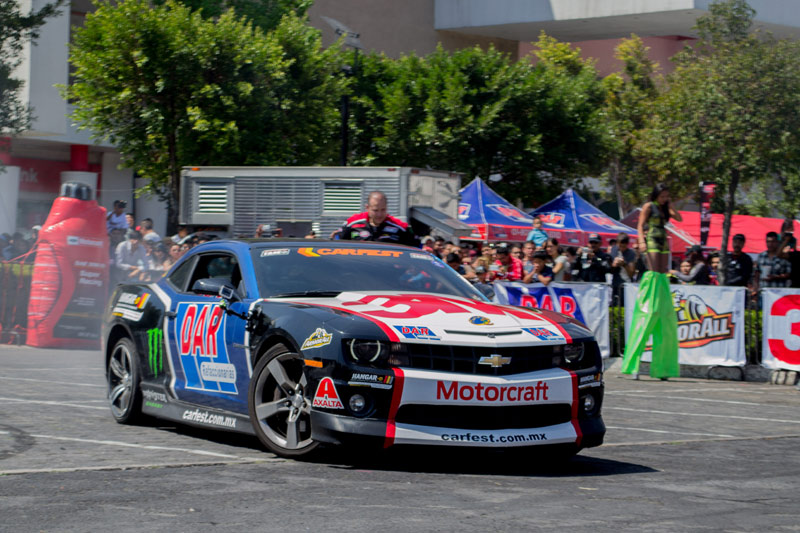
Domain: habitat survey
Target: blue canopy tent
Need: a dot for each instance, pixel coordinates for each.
(571, 219)
(492, 216)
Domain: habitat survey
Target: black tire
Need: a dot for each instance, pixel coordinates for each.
(122, 375)
(279, 410)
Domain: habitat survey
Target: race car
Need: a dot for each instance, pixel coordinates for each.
(306, 342)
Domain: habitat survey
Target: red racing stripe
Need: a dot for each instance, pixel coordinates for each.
(386, 329)
(397, 394)
(575, 407)
(557, 326)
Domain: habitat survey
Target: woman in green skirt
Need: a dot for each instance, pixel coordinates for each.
(654, 314)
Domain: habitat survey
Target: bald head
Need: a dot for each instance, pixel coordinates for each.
(376, 208)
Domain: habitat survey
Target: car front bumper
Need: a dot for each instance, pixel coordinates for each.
(437, 408)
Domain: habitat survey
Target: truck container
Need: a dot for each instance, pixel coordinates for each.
(292, 201)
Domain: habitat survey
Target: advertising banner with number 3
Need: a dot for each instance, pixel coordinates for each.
(781, 348)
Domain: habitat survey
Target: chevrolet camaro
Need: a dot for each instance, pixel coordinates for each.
(308, 342)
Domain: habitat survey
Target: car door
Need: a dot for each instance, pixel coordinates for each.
(207, 344)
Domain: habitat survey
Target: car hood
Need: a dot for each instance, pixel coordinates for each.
(426, 318)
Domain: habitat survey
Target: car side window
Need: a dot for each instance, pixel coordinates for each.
(179, 276)
(224, 266)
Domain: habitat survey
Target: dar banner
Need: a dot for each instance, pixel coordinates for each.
(781, 340)
(585, 302)
(710, 323)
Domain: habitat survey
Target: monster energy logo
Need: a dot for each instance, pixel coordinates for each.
(155, 359)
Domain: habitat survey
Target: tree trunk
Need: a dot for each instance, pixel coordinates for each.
(722, 274)
(173, 198)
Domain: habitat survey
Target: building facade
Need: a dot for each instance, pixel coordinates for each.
(54, 151)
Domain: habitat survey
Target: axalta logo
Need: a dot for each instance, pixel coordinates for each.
(453, 390)
(417, 332)
(326, 396)
(73, 240)
(698, 323)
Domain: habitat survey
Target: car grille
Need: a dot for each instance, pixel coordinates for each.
(465, 359)
(480, 417)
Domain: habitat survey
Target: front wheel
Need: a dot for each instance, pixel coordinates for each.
(122, 375)
(279, 410)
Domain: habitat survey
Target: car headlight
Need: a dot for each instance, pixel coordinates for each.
(366, 351)
(573, 353)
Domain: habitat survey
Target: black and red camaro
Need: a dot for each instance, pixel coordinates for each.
(309, 342)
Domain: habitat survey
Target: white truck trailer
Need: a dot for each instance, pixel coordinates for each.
(235, 201)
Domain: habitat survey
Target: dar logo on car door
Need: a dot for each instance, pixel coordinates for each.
(200, 337)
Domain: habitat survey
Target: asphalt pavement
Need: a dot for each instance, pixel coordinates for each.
(685, 454)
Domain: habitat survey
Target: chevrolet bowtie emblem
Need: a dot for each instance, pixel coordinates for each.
(495, 361)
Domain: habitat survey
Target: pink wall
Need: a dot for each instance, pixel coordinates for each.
(661, 49)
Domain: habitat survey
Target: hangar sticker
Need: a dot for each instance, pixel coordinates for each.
(130, 306)
(200, 337)
(375, 381)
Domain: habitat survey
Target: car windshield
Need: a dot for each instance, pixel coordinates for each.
(330, 269)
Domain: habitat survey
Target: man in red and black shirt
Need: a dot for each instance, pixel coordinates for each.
(375, 224)
(508, 267)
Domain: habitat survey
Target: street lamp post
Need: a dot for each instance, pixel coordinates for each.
(350, 39)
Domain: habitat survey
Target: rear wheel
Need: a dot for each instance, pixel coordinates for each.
(122, 374)
(279, 410)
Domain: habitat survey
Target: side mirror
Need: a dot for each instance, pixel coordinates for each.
(216, 287)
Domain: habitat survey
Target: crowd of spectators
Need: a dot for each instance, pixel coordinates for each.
(18, 245)
(138, 253)
(544, 260)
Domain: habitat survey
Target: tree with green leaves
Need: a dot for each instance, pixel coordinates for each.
(478, 112)
(264, 14)
(731, 113)
(170, 89)
(630, 99)
(17, 28)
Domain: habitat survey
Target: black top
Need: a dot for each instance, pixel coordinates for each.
(594, 268)
(740, 270)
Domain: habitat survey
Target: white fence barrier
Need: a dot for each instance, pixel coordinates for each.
(710, 323)
(781, 323)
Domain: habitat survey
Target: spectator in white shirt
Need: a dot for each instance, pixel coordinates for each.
(131, 257)
(116, 219)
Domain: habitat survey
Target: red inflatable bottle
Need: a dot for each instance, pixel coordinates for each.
(69, 284)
